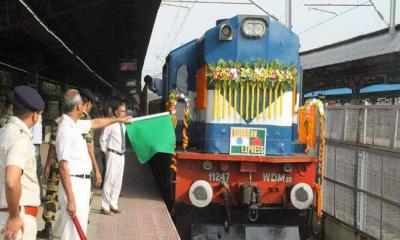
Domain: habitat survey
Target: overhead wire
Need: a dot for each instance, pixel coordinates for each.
(322, 10)
(180, 28)
(170, 31)
(293, 8)
(173, 5)
(64, 44)
(183, 23)
(379, 13)
(329, 19)
(208, 2)
(262, 9)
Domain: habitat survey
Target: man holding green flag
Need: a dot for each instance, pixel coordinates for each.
(148, 135)
(151, 134)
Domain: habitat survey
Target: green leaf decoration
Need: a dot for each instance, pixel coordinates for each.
(260, 72)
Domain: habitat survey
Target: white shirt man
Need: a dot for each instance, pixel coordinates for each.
(112, 142)
(75, 164)
(72, 147)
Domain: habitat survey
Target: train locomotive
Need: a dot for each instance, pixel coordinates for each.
(242, 172)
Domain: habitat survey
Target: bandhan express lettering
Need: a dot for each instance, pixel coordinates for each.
(276, 177)
(252, 149)
(247, 133)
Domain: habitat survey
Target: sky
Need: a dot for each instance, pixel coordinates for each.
(175, 26)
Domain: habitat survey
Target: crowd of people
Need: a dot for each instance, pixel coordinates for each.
(70, 165)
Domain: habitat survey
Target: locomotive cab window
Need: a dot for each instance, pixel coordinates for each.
(182, 79)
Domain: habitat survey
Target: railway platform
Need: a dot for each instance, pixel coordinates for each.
(144, 215)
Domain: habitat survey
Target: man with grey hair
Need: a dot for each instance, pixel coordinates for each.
(74, 163)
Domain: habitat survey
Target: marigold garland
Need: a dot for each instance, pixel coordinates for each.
(173, 98)
(272, 77)
(309, 120)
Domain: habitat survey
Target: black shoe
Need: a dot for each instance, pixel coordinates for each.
(116, 211)
(105, 212)
(46, 233)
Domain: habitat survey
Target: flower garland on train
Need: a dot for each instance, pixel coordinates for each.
(173, 99)
(307, 121)
(261, 77)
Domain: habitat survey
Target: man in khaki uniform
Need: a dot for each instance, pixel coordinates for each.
(89, 99)
(9, 109)
(19, 188)
(51, 203)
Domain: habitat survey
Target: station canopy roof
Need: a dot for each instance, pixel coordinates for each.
(107, 35)
(355, 63)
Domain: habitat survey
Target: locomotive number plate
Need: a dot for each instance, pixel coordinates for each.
(218, 177)
(247, 141)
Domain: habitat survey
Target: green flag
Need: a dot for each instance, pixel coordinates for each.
(151, 134)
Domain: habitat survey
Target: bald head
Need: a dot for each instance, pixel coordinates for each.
(71, 99)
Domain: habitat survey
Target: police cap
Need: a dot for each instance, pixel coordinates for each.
(29, 98)
(86, 93)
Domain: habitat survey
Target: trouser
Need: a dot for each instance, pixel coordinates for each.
(81, 190)
(103, 171)
(39, 169)
(30, 227)
(51, 204)
(113, 181)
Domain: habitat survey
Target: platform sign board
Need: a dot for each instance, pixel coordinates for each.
(130, 65)
(248, 141)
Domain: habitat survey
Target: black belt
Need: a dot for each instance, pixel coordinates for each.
(116, 152)
(85, 176)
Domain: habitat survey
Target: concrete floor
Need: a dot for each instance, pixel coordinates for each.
(144, 215)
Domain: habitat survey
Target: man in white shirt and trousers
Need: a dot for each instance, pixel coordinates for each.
(75, 165)
(112, 142)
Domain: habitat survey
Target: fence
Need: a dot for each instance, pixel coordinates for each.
(362, 169)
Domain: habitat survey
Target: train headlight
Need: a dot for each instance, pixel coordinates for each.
(225, 32)
(254, 28)
(200, 193)
(301, 196)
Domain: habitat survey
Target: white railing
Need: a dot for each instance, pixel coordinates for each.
(362, 169)
(370, 125)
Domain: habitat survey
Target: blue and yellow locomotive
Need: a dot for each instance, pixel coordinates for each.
(243, 79)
